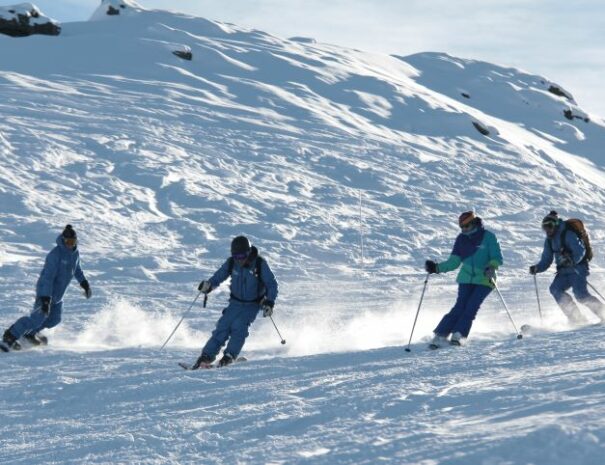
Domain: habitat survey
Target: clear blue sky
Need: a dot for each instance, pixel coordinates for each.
(561, 39)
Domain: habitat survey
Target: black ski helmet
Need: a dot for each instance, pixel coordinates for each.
(69, 232)
(240, 245)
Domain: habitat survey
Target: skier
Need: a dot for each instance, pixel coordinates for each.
(571, 253)
(61, 265)
(479, 253)
(253, 288)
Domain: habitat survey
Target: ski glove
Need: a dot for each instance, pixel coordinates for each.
(87, 292)
(490, 273)
(533, 269)
(431, 267)
(267, 307)
(45, 305)
(205, 287)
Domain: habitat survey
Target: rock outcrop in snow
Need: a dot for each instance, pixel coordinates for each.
(26, 19)
(560, 92)
(110, 8)
(184, 52)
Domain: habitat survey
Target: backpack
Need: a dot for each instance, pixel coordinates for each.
(577, 227)
(257, 273)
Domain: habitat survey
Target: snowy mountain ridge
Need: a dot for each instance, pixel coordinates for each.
(159, 161)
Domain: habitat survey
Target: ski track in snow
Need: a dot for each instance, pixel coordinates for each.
(159, 162)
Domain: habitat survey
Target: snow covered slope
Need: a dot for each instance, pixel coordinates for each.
(540, 401)
(159, 161)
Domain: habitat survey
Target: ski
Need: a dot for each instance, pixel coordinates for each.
(189, 367)
(450, 344)
(533, 329)
(4, 347)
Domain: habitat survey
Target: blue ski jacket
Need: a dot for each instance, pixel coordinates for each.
(61, 265)
(553, 247)
(245, 286)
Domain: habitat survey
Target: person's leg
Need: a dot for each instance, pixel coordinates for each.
(558, 288)
(467, 316)
(28, 323)
(580, 291)
(221, 332)
(52, 320)
(239, 331)
(445, 326)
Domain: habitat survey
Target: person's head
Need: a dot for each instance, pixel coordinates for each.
(70, 238)
(550, 223)
(240, 249)
(467, 222)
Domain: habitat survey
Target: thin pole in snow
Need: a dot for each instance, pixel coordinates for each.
(591, 286)
(361, 230)
(184, 315)
(519, 335)
(426, 281)
(538, 297)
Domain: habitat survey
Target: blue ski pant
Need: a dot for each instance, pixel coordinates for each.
(460, 317)
(232, 325)
(37, 321)
(578, 282)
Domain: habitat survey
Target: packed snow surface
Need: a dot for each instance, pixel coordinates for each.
(307, 148)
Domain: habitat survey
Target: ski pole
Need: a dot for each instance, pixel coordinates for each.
(426, 281)
(184, 315)
(597, 292)
(591, 286)
(519, 335)
(283, 341)
(538, 297)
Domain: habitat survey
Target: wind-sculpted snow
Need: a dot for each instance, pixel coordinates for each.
(158, 162)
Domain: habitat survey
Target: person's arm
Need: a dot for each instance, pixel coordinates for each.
(220, 276)
(450, 264)
(547, 258)
(453, 261)
(269, 281)
(78, 273)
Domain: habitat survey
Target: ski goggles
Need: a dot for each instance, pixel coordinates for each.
(70, 242)
(240, 256)
(548, 226)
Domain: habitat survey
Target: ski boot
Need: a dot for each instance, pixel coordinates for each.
(9, 342)
(36, 339)
(457, 339)
(437, 342)
(203, 361)
(226, 360)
